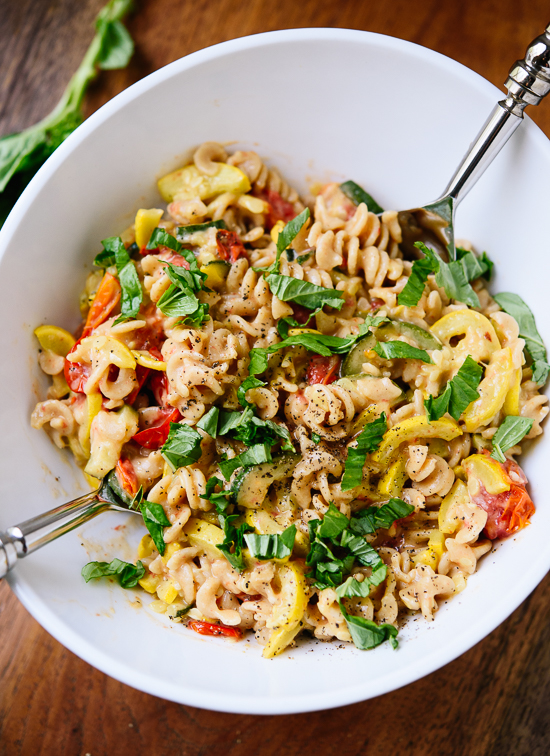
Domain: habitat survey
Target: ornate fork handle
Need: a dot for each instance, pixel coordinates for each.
(527, 83)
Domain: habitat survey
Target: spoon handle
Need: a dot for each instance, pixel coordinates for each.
(22, 539)
(527, 83)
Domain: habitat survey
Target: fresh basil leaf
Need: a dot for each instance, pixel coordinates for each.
(452, 278)
(233, 543)
(291, 230)
(255, 455)
(21, 155)
(161, 238)
(395, 350)
(316, 438)
(333, 523)
(414, 288)
(191, 279)
(184, 232)
(155, 521)
(185, 610)
(209, 422)
(106, 257)
(128, 574)
(519, 310)
(512, 430)
(474, 266)
(177, 303)
(248, 383)
(367, 441)
(301, 259)
(182, 447)
(303, 293)
(358, 195)
(272, 546)
(373, 518)
(131, 291)
(285, 324)
(352, 587)
(222, 499)
(459, 393)
(366, 634)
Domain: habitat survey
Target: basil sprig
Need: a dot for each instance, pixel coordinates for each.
(459, 393)
(22, 154)
(273, 545)
(367, 441)
(510, 433)
(449, 276)
(127, 574)
(516, 307)
(358, 195)
(182, 447)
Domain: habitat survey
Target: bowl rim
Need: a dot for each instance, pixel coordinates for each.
(181, 693)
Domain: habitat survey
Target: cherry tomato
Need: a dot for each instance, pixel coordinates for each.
(301, 314)
(172, 257)
(141, 377)
(209, 628)
(126, 475)
(106, 299)
(230, 247)
(155, 436)
(279, 208)
(509, 511)
(158, 383)
(76, 374)
(322, 369)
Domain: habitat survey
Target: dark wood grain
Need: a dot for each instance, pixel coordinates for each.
(494, 700)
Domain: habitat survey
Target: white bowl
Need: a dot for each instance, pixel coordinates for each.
(321, 103)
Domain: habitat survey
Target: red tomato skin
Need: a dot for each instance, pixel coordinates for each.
(106, 299)
(155, 436)
(209, 628)
(76, 374)
(322, 370)
(279, 208)
(126, 475)
(509, 511)
(158, 383)
(230, 247)
(141, 377)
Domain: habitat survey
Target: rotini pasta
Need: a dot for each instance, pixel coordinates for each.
(309, 453)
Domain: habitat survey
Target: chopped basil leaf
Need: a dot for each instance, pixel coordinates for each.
(367, 634)
(357, 195)
(352, 587)
(459, 393)
(155, 521)
(392, 350)
(272, 546)
(516, 307)
(450, 276)
(306, 294)
(333, 523)
(316, 438)
(314, 342)
(161, 238)
(221, 500)
(291, 230)
(233, 539)
(255, 455)
(302, 258)
(182, 447)
(474, 266)
(369, 520)
(184, 232)
(131, 292)
(512, 430)
(185, 610)
(180, 300)
(414, 288)
(209, 422)
(248, 383)
(368, 441)
(285, 324)
(127, 574)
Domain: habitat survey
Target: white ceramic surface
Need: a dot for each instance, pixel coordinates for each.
(320, 103)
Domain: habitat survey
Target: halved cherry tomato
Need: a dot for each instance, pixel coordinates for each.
(230, 247)
(126, 475)
(76, 374)
(209, 628)
(172, 257)
(155, 436)
(509, 511)
(158, 383)
(301, 314)
(279, 208)
(322, 369)
(106, 299)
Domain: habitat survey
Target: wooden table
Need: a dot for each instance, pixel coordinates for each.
(494, 699)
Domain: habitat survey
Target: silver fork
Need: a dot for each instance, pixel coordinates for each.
(527, 83)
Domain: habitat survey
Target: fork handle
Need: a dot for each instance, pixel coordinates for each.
(527, 83)
(20, 540)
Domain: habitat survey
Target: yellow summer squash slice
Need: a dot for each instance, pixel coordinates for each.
(57, 340)
(488, 471)
(145, 223)
(289, 610)
(189, 183)
(411, 429)
(477, 335)
(204, 536)
(492, 390)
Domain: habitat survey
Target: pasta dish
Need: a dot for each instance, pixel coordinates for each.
(320, 435)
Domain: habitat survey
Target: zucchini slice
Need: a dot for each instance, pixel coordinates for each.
(251, 484)
(420, 338)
